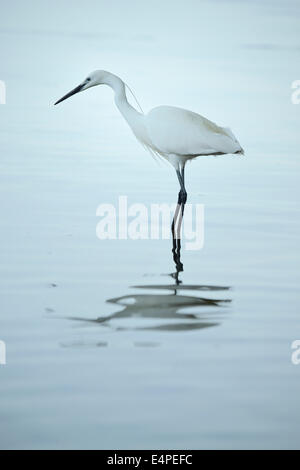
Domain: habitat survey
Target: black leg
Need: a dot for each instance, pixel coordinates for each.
(178, 216)
(182, 197)
(183, 193)
(175, 235)
(180, 176)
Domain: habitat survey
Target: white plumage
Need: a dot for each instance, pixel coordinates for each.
(172, 133)
(176, 131)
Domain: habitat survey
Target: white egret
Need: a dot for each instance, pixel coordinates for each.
(174, 134)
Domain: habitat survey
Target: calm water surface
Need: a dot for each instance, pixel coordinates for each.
(104, 349)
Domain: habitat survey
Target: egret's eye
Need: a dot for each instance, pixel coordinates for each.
(88, 79)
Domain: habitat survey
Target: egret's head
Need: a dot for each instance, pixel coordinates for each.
(94, 78)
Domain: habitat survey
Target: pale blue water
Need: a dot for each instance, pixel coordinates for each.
(148, 377)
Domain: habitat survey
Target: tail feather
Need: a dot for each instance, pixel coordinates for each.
(233, 137)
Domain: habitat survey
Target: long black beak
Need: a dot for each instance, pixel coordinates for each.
(72, 92)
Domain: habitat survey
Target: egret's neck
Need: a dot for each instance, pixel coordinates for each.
(132, 116)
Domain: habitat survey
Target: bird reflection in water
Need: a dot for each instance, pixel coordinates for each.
(165, 311)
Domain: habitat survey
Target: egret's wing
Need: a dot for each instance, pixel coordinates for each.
(182, 132)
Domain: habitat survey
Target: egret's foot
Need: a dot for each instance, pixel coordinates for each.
(177, 261)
